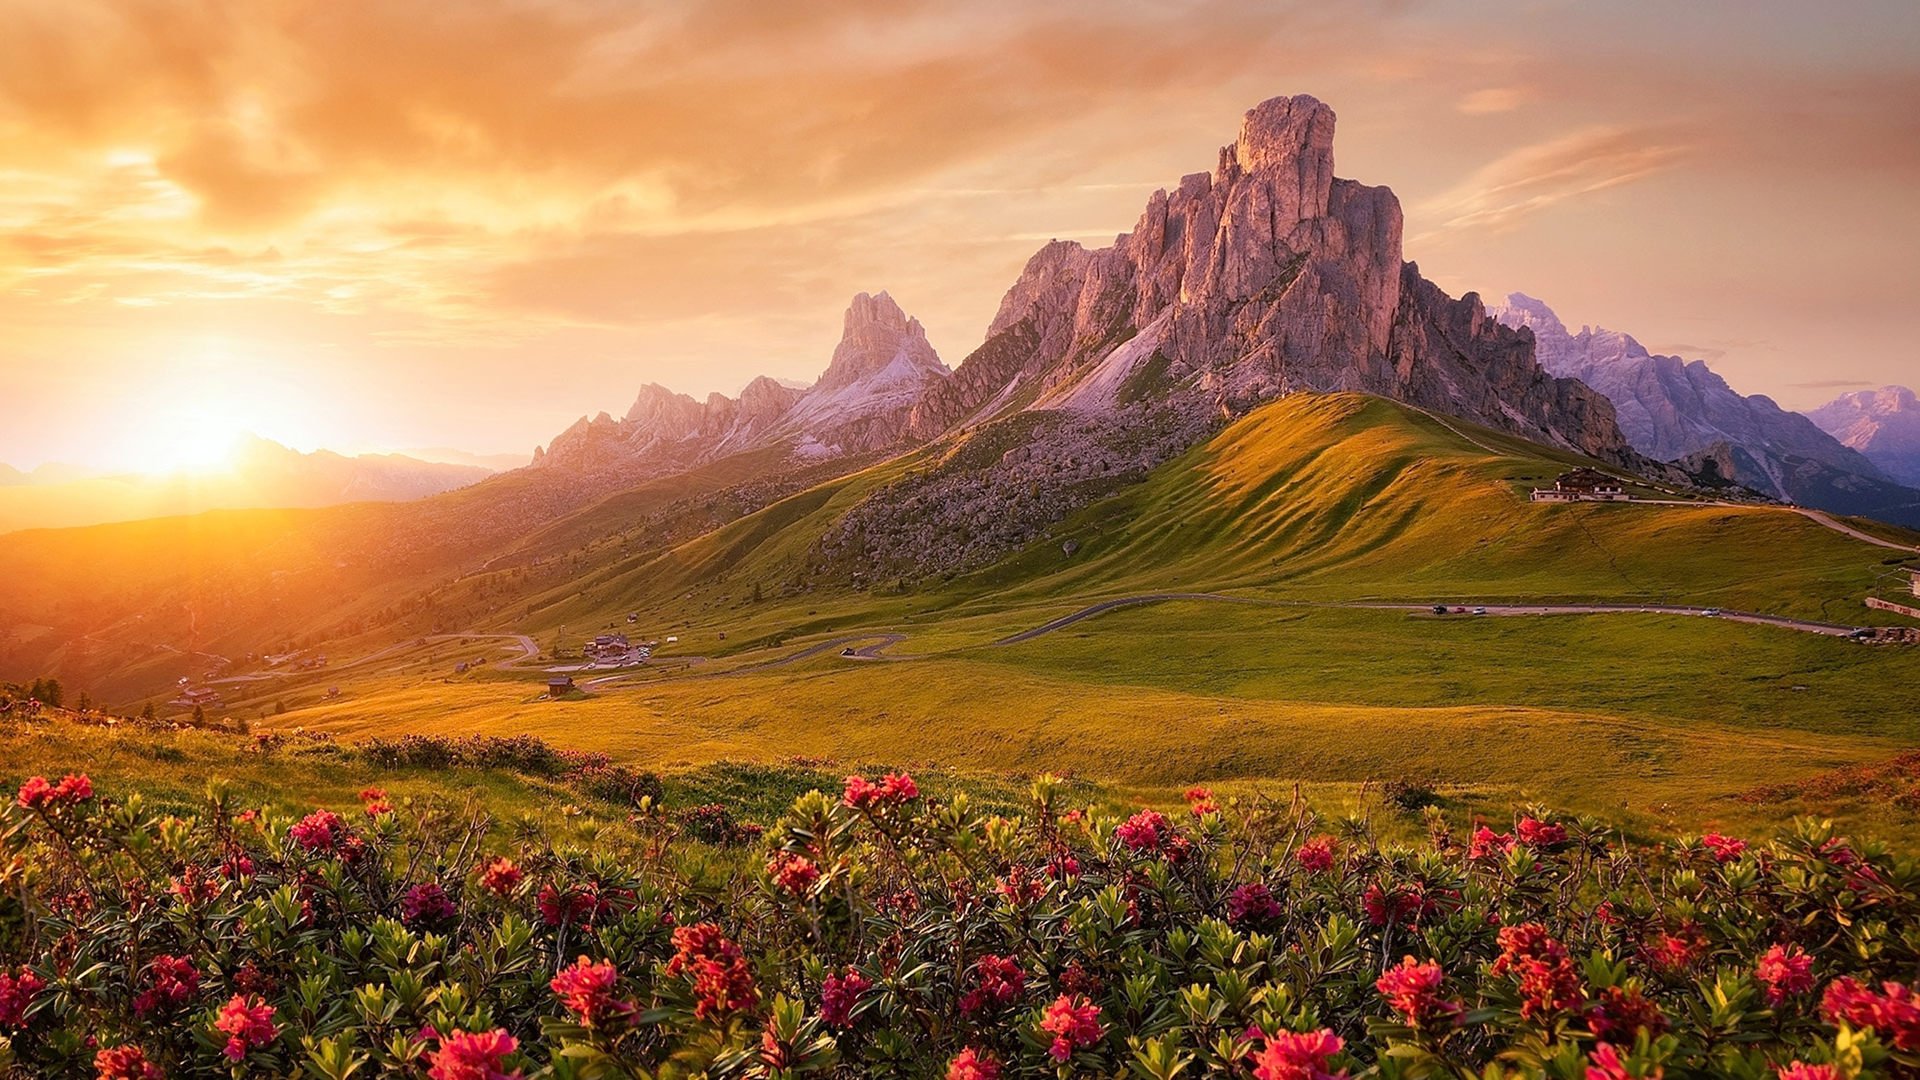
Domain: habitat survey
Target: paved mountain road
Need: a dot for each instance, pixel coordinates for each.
(1103, 606)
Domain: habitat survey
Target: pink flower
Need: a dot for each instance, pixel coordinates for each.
(1142, 831)
(426, 904)
(894, 789)
(1252, 903)
(248, 1023)
(1316, 855)
(971, 1064)
(586, 989)
(1725, 848)
(1800, 1070)
(473, 1056)
(126, 1063)
(1413, 990)
(1487, 844)
(579, 905)
(1074, 1023)
(172, 981)
(793, 873)
(1786, 971)
(16, 996)
(500, 877)
(722, 981)
(998, 982)
(318, 830)
(1200, 802)
(1537, 834)
(1893, 1012)
(1297, 1056)
(1548, 981)
(1623, 1014)
(37, 794)
(839, 994)
(1605, 1064)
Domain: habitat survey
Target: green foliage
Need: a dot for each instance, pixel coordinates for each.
(892, 932)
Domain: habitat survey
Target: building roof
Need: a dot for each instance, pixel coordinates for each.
(1585, 478)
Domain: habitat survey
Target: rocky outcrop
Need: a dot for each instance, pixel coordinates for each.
(1883, 425)
(1264, 277)
(882, 368)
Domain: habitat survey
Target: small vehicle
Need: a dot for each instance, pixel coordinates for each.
(1862, 632)
(1712, 612)
(1439, 609)
(1459, 611)
(1479, 611)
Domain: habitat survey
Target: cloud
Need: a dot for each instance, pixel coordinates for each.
(1493, 99)
(1506, 191)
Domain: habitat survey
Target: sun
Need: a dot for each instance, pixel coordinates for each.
(197, 444)
(195, 415)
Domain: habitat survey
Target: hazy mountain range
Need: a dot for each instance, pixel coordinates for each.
(1883, 425)
(1670, 408)
(262, 473)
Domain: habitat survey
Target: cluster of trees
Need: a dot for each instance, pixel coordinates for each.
(44, 691)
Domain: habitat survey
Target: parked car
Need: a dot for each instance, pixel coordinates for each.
(1439, 609)
(1711, 612)
(1479, 611)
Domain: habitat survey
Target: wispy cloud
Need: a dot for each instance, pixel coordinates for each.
(1493, 99)
(1519, 184)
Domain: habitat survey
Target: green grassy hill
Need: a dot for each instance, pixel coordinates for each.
(1310, 503)
(1334, 497)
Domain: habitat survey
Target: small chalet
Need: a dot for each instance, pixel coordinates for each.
(1582, 485)
(559, 686)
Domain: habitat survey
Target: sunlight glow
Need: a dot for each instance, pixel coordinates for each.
(197, 414)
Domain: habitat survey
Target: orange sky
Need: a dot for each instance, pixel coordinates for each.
(375, 225)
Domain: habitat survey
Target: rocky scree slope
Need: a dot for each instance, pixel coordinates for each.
(1265, 277)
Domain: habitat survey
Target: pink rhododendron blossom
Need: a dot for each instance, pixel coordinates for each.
(1074, 1023)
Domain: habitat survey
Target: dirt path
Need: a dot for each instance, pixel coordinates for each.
(1806, 626)
(1842, 527)
(1108, 605)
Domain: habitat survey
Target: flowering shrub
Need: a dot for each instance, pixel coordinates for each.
(882, 931)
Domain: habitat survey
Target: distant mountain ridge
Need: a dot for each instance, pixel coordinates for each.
(1672, 409)
(262, 474)
(1883, 425)
(880, 370)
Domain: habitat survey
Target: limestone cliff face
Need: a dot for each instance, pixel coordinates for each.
(881, 369)
(1266, 276)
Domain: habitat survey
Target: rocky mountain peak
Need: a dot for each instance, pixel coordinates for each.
(879, 371)
(1286, 143)
(1882, 424)
(1523, 310)
(878, 335)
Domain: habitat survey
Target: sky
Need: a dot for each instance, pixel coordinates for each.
(370, 226)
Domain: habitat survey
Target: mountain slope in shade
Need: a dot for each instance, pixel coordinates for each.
(261, 475)
(1883, 425)
(1670, 408)
(881, 369)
